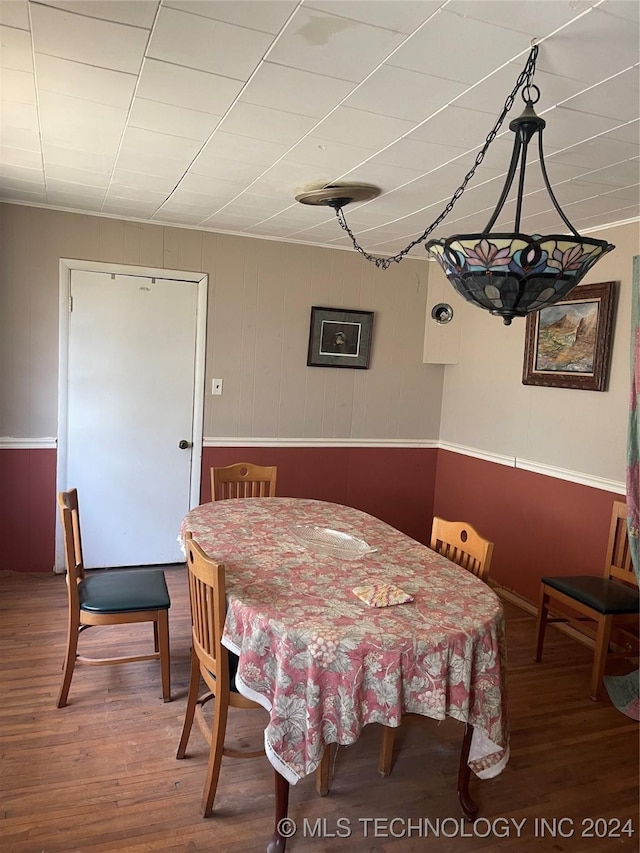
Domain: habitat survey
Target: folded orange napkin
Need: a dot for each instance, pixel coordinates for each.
(382, 594)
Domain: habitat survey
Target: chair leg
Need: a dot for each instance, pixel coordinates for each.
(323, 773)
(218, 729)
(69, 662)
(541, 622)
(192, 698)
(163, 647)
(600, 656)
(386, 750)
(156, 646)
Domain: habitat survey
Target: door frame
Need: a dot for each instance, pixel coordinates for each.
(67, 266)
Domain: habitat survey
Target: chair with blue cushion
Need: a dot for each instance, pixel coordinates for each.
(109, 597)
(612, 600)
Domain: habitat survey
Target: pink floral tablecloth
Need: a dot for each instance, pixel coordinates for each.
(324, 663)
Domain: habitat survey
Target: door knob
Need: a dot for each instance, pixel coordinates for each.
(183, 444)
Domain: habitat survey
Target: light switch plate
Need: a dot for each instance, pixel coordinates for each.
(216, 386)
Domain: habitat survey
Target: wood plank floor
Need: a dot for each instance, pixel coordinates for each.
(100, 776)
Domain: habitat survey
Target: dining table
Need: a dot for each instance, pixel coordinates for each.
(325, 663)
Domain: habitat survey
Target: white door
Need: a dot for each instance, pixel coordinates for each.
(131, 372)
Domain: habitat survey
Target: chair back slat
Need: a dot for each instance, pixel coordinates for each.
(618, 563)
(460, 543)
(243, 480)
(208, 610)
(70, 518)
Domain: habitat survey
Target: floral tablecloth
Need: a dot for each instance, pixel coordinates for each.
(324, 663)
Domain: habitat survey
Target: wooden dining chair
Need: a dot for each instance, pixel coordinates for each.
(217, 666)
(110, 597)
(608, 601)
(463, 545)
(243, 480)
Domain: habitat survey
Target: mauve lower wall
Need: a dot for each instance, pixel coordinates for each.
(540, 525)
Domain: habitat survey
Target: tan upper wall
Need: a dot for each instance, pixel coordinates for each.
(486, 406)
(260, 294)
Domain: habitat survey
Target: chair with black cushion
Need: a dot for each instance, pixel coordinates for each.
(110, 597)
(217, 666)
(243, 480)
(463, 545)
(611, 600)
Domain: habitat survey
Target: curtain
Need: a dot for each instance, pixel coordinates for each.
(633, 441)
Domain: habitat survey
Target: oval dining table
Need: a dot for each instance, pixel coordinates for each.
(323, 662)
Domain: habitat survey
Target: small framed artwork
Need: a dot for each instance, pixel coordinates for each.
(339, 338)
(568, 345)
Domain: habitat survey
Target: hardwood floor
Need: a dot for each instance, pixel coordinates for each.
(100, 776)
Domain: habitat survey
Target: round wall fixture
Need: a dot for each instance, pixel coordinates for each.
(442, 313)
(337, 195)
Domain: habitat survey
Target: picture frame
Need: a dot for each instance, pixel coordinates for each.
(568, 344)
(340, 337)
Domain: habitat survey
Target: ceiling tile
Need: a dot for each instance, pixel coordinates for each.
(21, 173)
(166, 118)
(534, 19)
(187, 87)
(241, 148)
(360, 128)
(77, 176)
(616, 98)
(22, 186)
(465, 63)
(75, 189)
(567, 127)
(328, 157)
(326, 44)
(401, 16)
(155, 183)
(38, 197)
(209, 45)
(141, 141)
(88, 40)
(619, 175)
(590, 49)
(146, 163)
(629, 132)
(128, 207)
(595, 153)
(630, 11)
(17, 86)
(138, 13)
(217, 188)
(19, 137)
(20, 116)
(415, 154)
(69, 200)
(219, 167)
(80, 124)
(86, 82)
(15, 14)
(20, 157)
(68, 155)
(295, 91)
(266, 124)
(15, 50)
(455, 126)
(253, 14)
(403, 94)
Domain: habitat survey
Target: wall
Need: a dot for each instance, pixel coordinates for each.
(260, 294)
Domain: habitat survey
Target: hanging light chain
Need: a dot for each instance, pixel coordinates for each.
(525, 79)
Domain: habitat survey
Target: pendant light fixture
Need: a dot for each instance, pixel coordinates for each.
(509, 274)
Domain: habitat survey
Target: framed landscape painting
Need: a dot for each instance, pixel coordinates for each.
(339, 338)
(568, 345)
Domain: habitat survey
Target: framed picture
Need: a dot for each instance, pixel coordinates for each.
(339, 338)
(568, 345)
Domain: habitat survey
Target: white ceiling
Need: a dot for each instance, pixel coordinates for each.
(214, 113)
